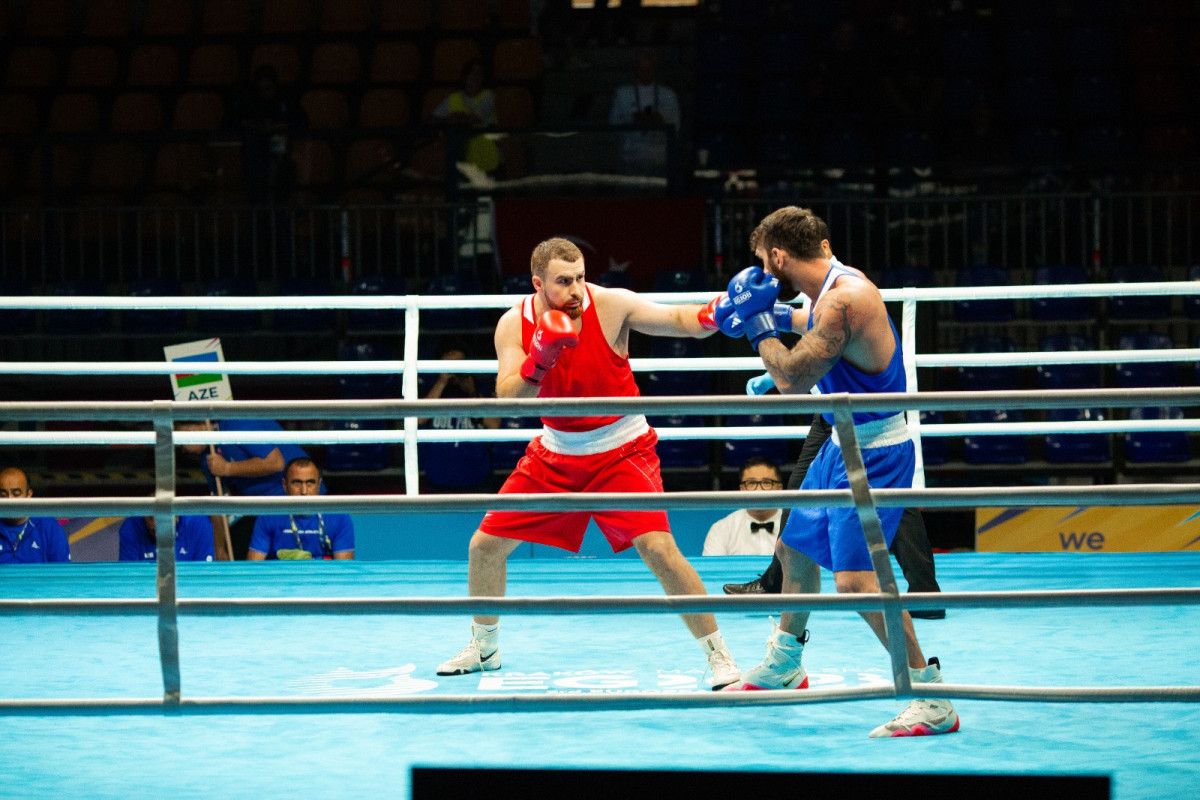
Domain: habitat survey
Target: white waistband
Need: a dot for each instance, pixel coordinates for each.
(878, 432)
(598, 440)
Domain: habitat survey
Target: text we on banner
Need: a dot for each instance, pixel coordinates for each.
(1088, 529)
(636, 236)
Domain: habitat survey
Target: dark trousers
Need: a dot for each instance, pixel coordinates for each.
(910, 547)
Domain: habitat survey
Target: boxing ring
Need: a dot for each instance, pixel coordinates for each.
(234, 680)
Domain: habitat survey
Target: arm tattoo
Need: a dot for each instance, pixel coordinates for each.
(817, 351)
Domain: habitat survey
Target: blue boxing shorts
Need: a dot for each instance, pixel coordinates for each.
(833, 537)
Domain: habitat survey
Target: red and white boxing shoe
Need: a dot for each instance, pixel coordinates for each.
(922, 717)
(781, 669)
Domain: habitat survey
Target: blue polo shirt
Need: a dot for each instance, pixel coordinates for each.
(37, 540)
(193, 540)
(265, 484)
(319, 534)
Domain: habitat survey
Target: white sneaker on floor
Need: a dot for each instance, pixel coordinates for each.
(781, 668)
(922, 717)
(482, 654)
(724, 670)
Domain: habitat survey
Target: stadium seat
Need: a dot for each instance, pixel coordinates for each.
(679, 280)
(305, 320)
(345, 16)
(681, 452)
(16, 321)
(1031, 99)
(358, 456)
(411, 16)
(727, 54)
(1077, 448)
(505, 455)
(517, 60)
(989, 378)
(287, 16)
(720, 102)
(934, 449)
(1094, 96)
(1149, 373)
(384, 108)
(1000, 310)
(1191, 303)
(1103, 142)
(1153, 307)
(363, 456)
(454, 283)
(1151, 446)
(900, 277)
(1038, 143)
(153, 65)
(395, 63)
(455, 465)
(779, 150)
(613, 279)
(1090, 46)
(110, 19)
(31, 67)
(1066, 308)
(377, 319)
(994, 449)
(219, 322)
(153, 320)
(92, 67)
(1067, 376)
(225, 17)
(326, 108)
(686, 382)
(283, 57)
(1028, 49)
(213, 65)
(449, 57)
(81, 320)
(335, 63)
(734, 452)
(966, 48)
(167, 18)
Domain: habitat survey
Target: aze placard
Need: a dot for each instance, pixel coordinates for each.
(208, 385)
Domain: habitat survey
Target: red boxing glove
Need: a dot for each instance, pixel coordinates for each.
(707, 316)
(554, 332)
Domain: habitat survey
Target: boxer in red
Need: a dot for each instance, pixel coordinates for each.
(570, 338)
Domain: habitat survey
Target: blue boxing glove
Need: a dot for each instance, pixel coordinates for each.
(783, 317)
(727, 319)
(760, 384)
(753, 294)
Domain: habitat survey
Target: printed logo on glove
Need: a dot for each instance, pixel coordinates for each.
(554, 332)
(753, 294)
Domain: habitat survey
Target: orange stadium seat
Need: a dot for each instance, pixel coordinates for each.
(514, 15)
(283, 58)
(407, 16)
(395, 62)
(514, 107)
(108, 18)
(66, 167)
(345, 16)
(517, 60)
(198, 111)
(180, 166)
(168, 18)
(463, 15)
(213, 65)
(382, 108)
(287, 16)
(73, 113)
(20, 113)
(116, 167)
(367, 159)
(225, 17)
(314, 162)
(31, 67)
(153, 65)
(326, 108)
(50, 19)
(335, 63)
(136, 111)
(92, 66)
(449, 56)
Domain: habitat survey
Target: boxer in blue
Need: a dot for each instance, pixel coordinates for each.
(849, 345)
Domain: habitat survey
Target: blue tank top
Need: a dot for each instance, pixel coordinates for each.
(845, 377)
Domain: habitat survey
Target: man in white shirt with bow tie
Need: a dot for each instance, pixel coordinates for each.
(749, 531)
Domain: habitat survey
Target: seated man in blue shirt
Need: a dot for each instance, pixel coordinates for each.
(29, 540)
(193, 539)
(292, 537)
(244, 469)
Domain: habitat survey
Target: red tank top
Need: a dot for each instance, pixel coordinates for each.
(589, 369)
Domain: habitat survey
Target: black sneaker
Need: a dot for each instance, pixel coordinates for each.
(932, 613)
(753, 587)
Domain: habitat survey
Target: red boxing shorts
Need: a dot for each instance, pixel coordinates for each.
(632, 467)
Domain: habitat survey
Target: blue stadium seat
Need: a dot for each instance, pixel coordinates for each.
(505, 455)
(1094, 97)
(777, 50)
(1151, 446)
(136, 320)
(1132, 375)
(681, 452)
(366, 387)
(782, 150)
(900, 277)
(376, 319)
(217, 322)
(1153, 307)
(734, 452)
(1065, 308)
(962, 92)
(994, 449)
(909, 148)
(679, 280)
(615, 280)
(673, 382)
(1077, 448)
(1191, 303)
(780, 102)
(454, 283)
(455, 465)
(984, 310)
(1031, 98)
(720, 102)
(16, 321)
(989, 378)
(934, 449)
(1038, 143)
(1028, 48)
(1103, 141)
(724, 149)
(966, 48)
(358, 456)
(89, 320)
(1067, 376)
(846, 147)
(309, 320)
(1090, 46)
(725, 54)
(519, 284)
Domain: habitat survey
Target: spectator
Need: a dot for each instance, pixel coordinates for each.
(456, 464)
(646, 103)
(244, 469)
(28, 540)
(294, 537)
(749, 531)
(193, 539)
(472, 106)
(266, 117)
